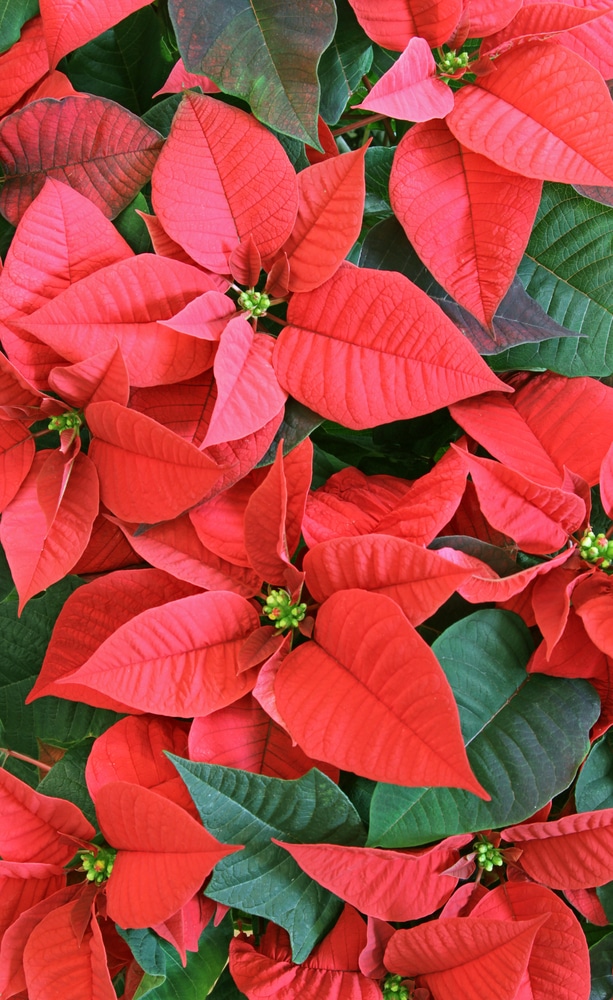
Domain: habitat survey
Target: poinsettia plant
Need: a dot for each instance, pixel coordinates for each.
(306, 500)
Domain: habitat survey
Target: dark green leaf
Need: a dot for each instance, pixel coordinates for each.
(6, 580)
(601, 963)
(343, 64)
(132, 227)
(7, 231)
(594, 788)
(65, 724)
(226, 988)
(66, 780)
(265, 52)
(605, 895)
(238, 807)
(298, 422)
(196, 979)
(160, 116)
(377, 167)
(148, 949)
(13, 16)
(525, 736)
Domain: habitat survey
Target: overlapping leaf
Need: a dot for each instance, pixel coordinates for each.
(569, 853)
(71, 23)
(395, 24)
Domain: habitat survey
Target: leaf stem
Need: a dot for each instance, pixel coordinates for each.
(24, 757)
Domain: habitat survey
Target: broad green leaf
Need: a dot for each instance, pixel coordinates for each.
(263, 51)
(66, 780)
(160, 116)
(23, 642)
(567, 269)
(525, 736)
(148, 949)
(197, 978)
(343, 64)
(238, 807)
(601, 963)
(13, 15)
(132, 227)
(67, 723)
(378, 164)
(125, 63)
(226, 988)
(298, 422)
(6, 580)
(605, 895)
(594, 788)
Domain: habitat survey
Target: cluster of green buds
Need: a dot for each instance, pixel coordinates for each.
(281, 611)
(394, 988)
(488, 857)
(71, 420)
(99, 866)
(254, 302)
(596, 549)
(451, 62)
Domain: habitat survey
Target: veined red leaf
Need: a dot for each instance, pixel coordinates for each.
(410, 89)
(593, 599)
(17, 450)
(369, 347)
(495, 423)
(23, 64)
(451, 956)
(36, 826)
(19, 400)
(184, 928)
(587, 903)
(179, 659)
(540, 19)
(54, 84)
(55, 953)
(248, 393)
(106, 550)
(356, 696)
(71, 23)
(606, 482)
(208, 205)
(179, 79)
(350, 503)
(394, 24)
(95, 379)
(163, 856)
(205, 317)
(93, 613)
(41, 552)
(591, 41)
(569, 853)
(418, 580)
(331, 970)
(539, 518)
(122, 304)
(246, 263)
(516, 118)
(243, 735)
(330, 209)
(390, 885)
(456, 206)
(559, 965)
(486, 585)
(24, 884)
(146, 472)
(219, 522)
(183, 407)
(487, 16)
(91, 143)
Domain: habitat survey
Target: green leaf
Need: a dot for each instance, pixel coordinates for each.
(343, 64)
(226, 988)
(601, 962)
(594, 788)
(23, 643)
(160, 116)
(131, 226)
(65, 724)
(567, 268)
(377, 166)
(125, 64)
(265, 52)
(197, 978)
(605, 895)
(238, 807)
(66, 780)
(298, 422)
(13, 16)
(6, 580)
(148, 949)
(525, 736)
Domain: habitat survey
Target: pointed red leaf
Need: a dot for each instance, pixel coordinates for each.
(93, 144)
(41, 552)
(486, 585)
(179, 79)
(183, 407)
(36, 827)
(394, 24)
(248, 393)
(350, 503)
(97, 378)
(23, 64)
(91, 615)
(19, 400)
(146, 472)
(219, 522)
(453, 957)
(378, 718)
(559, 965)
(204, 202)
(71, 23)
(396, 357)
(246, 263)
(330, 209)
(244, 736)
(606, 482)
(54, 954)
(539, 518)
(586, 901)
(205, 317)
(410, 88)
(106, 550)
(516, 118)
(163, 857)
(122, 304)
(391, 885)
(540, 19)
(17, 451)
(569, 853)
(453, 205)
(179, 659)
(23, 885)
(590, 41)
(487, 16)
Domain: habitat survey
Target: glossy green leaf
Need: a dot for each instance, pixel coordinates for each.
(345, 61)
(66, 780)
(525, 736)
(264, 52)
(199, 974)
(238, 807)
(567, 269)
(226, 989)
(132, 227)
(601, 964)
(298, 422)
(594, 788)
(13, 15)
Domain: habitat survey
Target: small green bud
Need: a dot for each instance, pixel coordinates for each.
(71, 420)
(98, 865)
(254, 302)
(279, 608)
(393, 988)
(487, 856)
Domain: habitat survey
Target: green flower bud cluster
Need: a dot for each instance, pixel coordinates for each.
(596, 548)
(451, 63)
(394, 989)
(488, 856)
(99, 866)
(254, 302)
(281, 611)
(66, 421)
